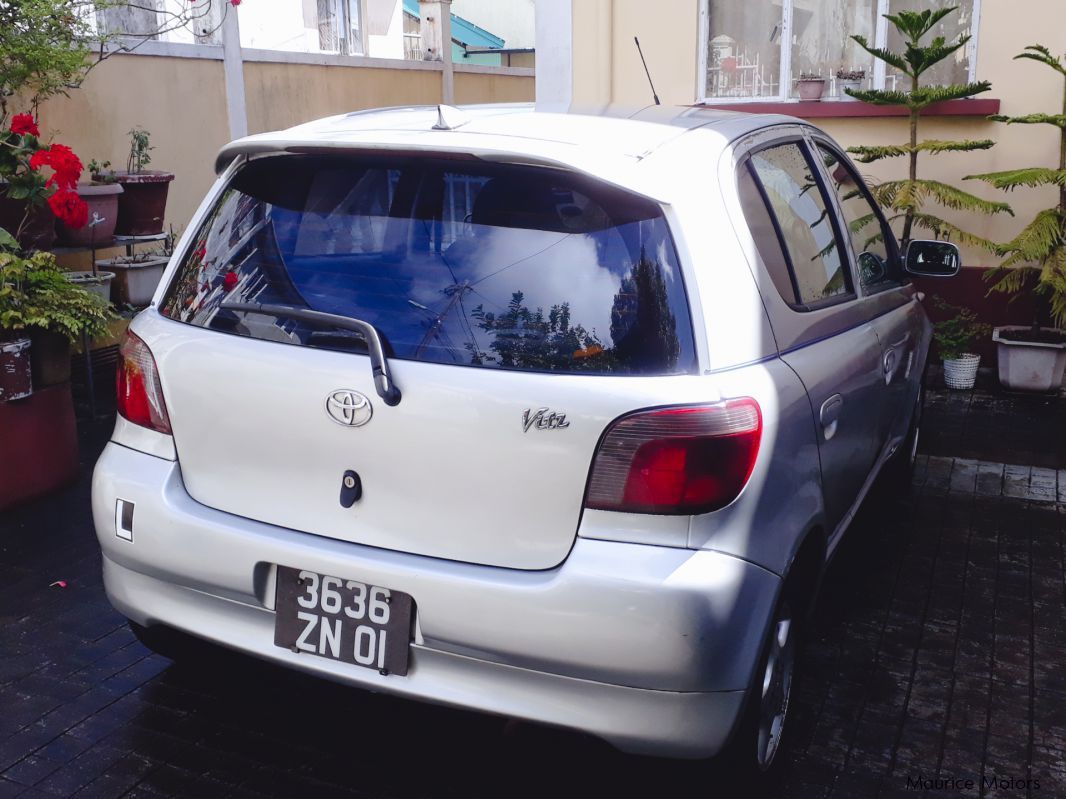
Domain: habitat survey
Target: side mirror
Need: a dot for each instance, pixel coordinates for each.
(932, 259)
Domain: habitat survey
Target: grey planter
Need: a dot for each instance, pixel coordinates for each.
(135, 280)
(1029, 365)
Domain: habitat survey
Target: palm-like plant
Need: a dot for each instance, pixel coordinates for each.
(1041, 247)
(908, 197)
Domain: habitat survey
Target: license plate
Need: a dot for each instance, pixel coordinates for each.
(365, 625)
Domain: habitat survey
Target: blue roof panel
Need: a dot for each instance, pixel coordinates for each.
(463, 30)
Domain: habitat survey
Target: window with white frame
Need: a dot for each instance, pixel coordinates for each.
(754, 51)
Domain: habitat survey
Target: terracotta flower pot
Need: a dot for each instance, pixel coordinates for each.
(39, 232)
(143, 203)
(102, 199)
(811, 89)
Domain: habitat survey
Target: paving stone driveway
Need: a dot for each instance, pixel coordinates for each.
(938, 653)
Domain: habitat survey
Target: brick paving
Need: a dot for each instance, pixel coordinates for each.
(937, 652)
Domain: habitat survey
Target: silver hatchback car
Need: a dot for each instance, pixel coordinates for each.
(554, 416)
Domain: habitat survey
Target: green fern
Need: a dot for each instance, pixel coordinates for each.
(1040, 249)
(868, 154)
(1029, 176)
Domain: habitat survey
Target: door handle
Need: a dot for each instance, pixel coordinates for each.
(829, 415)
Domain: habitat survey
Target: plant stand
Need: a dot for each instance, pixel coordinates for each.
(130, 243)
(39, 445)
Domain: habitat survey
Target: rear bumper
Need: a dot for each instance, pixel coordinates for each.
(650, 648)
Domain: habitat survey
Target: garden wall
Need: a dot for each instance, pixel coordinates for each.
(181, 99)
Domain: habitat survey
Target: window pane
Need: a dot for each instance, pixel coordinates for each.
(764, 234)
(877, 268)
(956, 68)
(493, 266)
(744, 49)
(821, 39)
(805, 222)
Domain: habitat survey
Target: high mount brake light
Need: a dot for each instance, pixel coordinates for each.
(140, 396)
(676, 461)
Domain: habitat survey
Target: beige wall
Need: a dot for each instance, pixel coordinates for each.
(182, 103)
(607, 69)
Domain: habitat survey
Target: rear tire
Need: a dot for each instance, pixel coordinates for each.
(756, 756)
(899, 470)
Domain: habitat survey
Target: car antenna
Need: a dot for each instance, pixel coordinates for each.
(646, 71)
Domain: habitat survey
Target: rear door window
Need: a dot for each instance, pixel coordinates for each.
(805, 223)
(493, 266)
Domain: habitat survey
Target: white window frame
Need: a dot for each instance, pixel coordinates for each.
(784, 94)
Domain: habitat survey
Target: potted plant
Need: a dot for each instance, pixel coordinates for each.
(810, 86)
(39, 303)
(953, 337)
(101, 199)
(849, 79)
(31, 201)
(1034, 358)
(143, 202)
(136, 276)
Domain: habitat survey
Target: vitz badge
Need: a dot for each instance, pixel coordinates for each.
(543, 419)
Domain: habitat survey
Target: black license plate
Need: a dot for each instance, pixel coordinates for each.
(362, 624)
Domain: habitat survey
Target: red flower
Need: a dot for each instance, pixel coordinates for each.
(66, 165)
(69, 208)
(230, 281)
(234, 3)
(21, 124)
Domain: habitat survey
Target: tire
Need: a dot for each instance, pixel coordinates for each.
(756, 755)
(899, 470)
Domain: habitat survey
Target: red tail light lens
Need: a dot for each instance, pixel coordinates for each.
(140, 396)
(676, 461)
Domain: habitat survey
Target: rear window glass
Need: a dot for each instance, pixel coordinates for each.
(492, 266)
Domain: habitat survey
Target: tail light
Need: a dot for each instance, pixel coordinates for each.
(140, 396)
(676, 461)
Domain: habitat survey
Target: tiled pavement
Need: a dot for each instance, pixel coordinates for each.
(938, 652)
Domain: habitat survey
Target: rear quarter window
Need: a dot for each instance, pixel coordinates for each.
(489, 266)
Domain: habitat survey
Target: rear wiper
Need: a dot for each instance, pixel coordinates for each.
(383, 382)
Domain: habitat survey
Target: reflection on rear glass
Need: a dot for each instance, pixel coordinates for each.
(502, 266)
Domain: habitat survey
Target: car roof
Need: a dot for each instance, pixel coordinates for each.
(608, 142)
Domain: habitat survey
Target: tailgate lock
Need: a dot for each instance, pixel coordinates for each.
(351, 488)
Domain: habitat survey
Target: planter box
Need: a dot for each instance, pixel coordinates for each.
(99, 284)
(135, 281)
(961, 373)
(143, 202)
(39, 447)
(1029, 365)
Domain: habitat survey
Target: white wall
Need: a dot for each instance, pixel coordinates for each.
(511, 20)
(384, 23)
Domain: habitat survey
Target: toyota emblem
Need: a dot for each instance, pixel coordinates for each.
(349, 408)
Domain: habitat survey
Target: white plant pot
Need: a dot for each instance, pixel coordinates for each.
(854, 85)
(961, 373)
(136, 281)
(1029, 365)
(99, 284)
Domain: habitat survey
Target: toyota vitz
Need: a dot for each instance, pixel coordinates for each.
(554, 416)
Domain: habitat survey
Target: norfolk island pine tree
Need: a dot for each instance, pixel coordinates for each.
(906, 199)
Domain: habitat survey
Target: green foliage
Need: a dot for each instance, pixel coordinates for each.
(954, 335)
(139, 149)
(909, 196)
(1040, 248)
(869, 154)
(34, 293)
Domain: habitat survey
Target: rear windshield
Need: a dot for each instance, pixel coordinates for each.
(495, 266)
